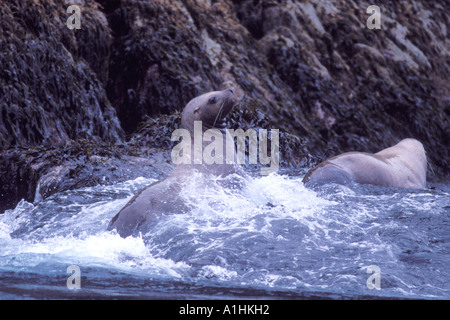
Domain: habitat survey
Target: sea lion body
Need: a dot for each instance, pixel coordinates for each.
(148, 205)
(403, 165)
(164, 197)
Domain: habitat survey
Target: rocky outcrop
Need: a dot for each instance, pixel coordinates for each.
(52, 93)
(309, 68)
(313, 68)
(51, 88)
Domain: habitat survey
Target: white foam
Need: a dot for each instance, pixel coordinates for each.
(13, 218)
(76, 235)
(217, 272)
(5, 230)
(105, 249)
(272, 212)
(289, 193)
(212, 205)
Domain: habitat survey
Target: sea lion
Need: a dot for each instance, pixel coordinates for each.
(164, 196)
(403, 165)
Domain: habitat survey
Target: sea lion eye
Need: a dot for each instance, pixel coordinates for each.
(212, 100)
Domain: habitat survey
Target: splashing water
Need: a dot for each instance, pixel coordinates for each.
(254, 237)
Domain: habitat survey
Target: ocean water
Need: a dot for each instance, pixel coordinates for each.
(268, 238)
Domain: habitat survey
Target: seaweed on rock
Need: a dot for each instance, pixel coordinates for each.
(311, 69)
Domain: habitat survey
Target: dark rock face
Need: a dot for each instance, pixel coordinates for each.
(311, 69)
(51, 93)
(314, 69)
(50, 76)
(36, 173)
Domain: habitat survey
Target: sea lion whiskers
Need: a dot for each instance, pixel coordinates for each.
(219, 114)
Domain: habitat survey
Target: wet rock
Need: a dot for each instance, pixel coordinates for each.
(314, 69)
(36, 173)
(51, 88)
(311, 69)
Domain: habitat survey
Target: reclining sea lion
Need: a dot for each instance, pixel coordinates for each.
(402, 166)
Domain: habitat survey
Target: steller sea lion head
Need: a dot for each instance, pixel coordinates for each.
(210, 108)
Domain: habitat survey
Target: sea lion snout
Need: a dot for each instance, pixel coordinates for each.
(228, 93)
(211, 108)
